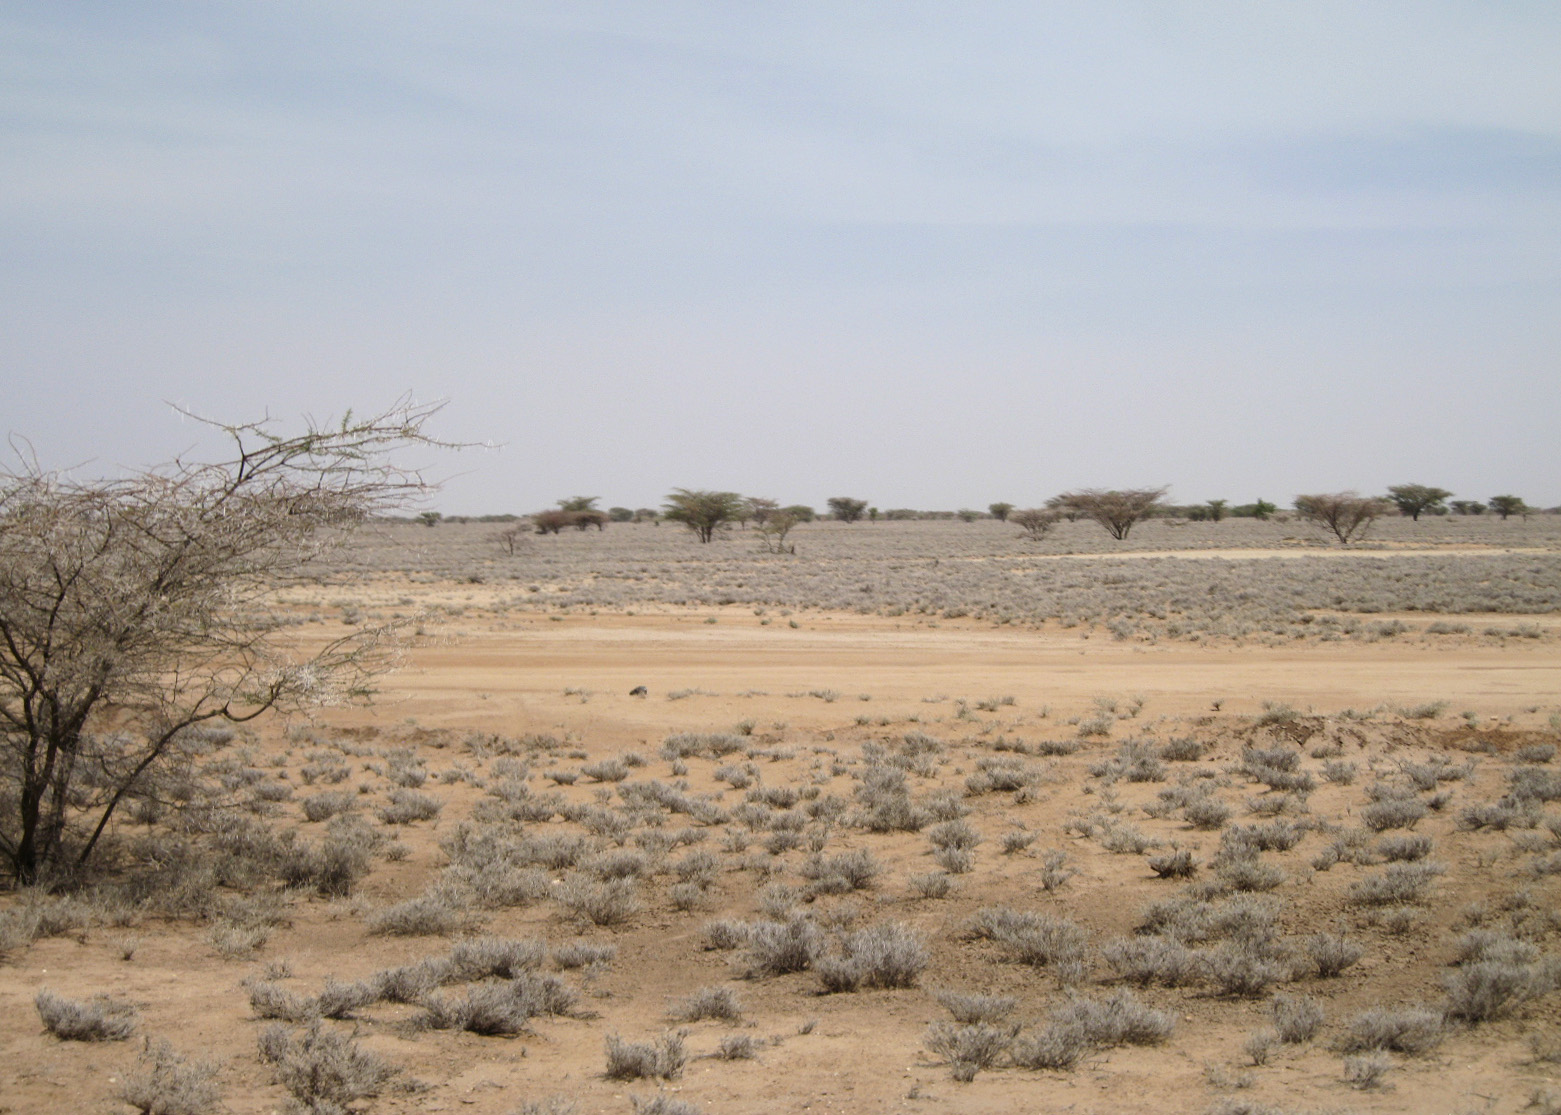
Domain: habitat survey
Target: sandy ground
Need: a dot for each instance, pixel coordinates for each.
(497, 678)
(832, 682)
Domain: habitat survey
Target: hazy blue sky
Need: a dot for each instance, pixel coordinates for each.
(928, 254)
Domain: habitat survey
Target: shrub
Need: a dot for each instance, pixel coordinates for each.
(1410, 1030)
(501, 957)
(1297, 1018)
(489, 1009)
(1059, 1046)
(1040, 940)
(1392, 813)
(953, 834)
(663, 1058)
(166, 1083)
(1147, 960)
(602, 903)
(272, 1000)
(1240, 969)
(406, 806)
(1118, 1019)
(340, 1000)
(428, 916)
(1178, 864)
(970, 1047)
(607, 770)
(972, 1008)
(1366, 1070)
(1490, 989)
(778, 947)
(1400, 883)
(663, 1104)
(1404, 849)
(1206, 812)
(737, 1047)
(584, 954)
(1332, 954)
(411, 983)
(955, 861)
(937, 884)
(323, 806)
(324, 1070)
(855, 870)
(727, 933)
(97, 1019)
(708, 1002)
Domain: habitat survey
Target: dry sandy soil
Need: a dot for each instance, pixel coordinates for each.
(498, 696)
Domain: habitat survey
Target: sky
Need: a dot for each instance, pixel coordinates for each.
(932, 255)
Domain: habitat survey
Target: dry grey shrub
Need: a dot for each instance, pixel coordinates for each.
(778, 947)
(602, 903)
(164, 1082)
(970, 1047)
(1391, 813)
(720, 1003)
(1297, 1018)
(97, 1019)
(1176, 864)
(1400, 883)
(550, 1105)
(1404, 849)
(1243, 969)
(1259, 1045)
(340, 1000)
(1055, 871)
(737, 1047)
(272, 1000)
(1149, 960)
(1058, 1046)
(501, 957)
(1017, 841)
(324, 1070)
(838, 874)
(1483, 990)
(430, 915)
(584, 954)
(412, 983)
(663, 1058)
(663, 1104)
(327, 804)
(725, 934)
(1117, 1019)
(1206, 812)
(1332, 953)
(970, 1008)
(936, 884)
(1366, 1070)
(1037, 939)
(1411, 1030)
(408, 806)
(885, 955)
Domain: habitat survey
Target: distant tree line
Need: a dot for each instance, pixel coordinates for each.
(1347, 516)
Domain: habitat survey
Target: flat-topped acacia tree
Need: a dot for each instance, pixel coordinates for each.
(1115, 510)
(134, 611)
(704, 511)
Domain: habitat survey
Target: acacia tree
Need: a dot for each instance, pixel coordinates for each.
(1415, 500)
(1037, 522)
(846, 509)
(1347, 515)
(134, 611)
(703, 511)
(1000, 511)
(1509, 505)
(1117, 511)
